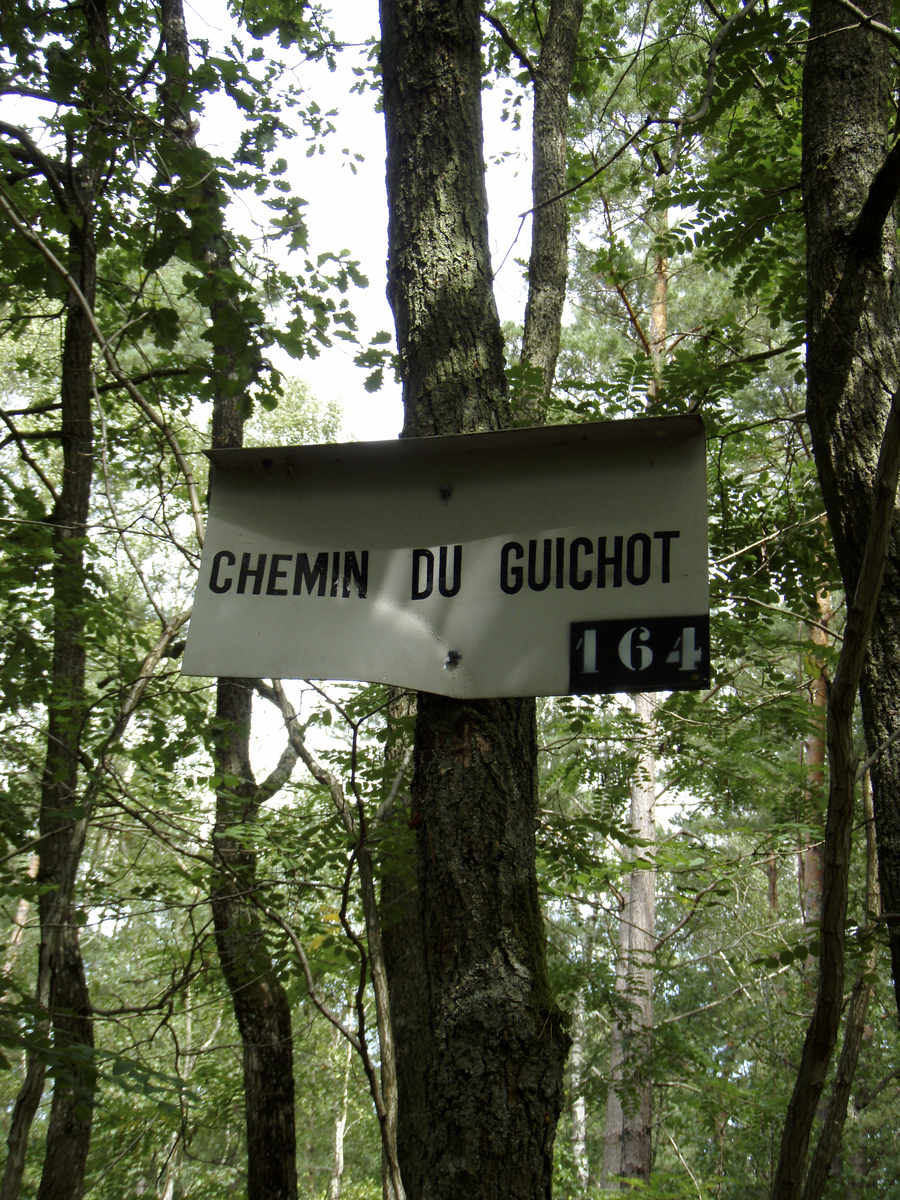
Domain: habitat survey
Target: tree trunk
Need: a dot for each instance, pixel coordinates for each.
(811, 863)
(403, 945)
(61, 992)
(548, 266)
(853, 318)
(494, 1073)
(627, 1142)
(579, 1104)
(260, 1003)
(834, 1115)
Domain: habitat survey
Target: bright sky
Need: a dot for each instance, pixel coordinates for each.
(347, 211)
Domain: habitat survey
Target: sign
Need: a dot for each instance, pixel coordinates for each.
(522, 563)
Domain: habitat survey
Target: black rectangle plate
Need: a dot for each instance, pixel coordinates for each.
(639, 654)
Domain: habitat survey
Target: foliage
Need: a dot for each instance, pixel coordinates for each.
(735, 961)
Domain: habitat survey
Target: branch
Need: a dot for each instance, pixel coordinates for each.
(510, 42)
(883, 191)
(868, 22)
(700, 112)
(784, 612)
(147, 377)
(123, 537)
(26, 457)
(636, 325)
(115, 370)
(870, 762)
(37, 158)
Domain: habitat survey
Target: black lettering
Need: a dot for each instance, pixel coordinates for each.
(510, 577)
(358, 572)
(335, 571)
(560, 562)
(457, 571)
(614, 561)
(420, 556)
(257, 572)
(645, 544)
(318, 574)
(532, 565)
(217, 585)
(666, 539)
(275, 575)
(579, 582)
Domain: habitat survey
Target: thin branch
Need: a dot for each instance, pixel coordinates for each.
(784, 612)
(870, 762)
(123, 538)
(868, 22)
(510, 42)
(39, 159)
(115, 370)
(26, 457)
(632, 317)
(700, 112)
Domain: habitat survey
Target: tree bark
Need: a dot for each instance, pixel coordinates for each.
(548, 265)
(853, 318)
(498, 1040)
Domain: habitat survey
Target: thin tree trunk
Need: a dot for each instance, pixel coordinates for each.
(811, 862)
(835, 1114)
(548, 265)
(61, 992)
(260, 1002)
(627, 1138)
(474, 790)
(403, 945)
(853, 318)
(340, 1127)
(579, 1104)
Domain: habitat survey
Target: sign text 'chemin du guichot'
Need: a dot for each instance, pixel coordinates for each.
(532, 562)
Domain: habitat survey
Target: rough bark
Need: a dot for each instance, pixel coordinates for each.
(548, 265)
(627, 1137)
(853, 318)
(494, 1072)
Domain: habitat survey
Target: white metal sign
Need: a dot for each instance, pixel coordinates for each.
(529, 562)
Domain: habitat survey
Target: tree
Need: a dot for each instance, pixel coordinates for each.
(118, 152)
(491, 1014)
(855, 425)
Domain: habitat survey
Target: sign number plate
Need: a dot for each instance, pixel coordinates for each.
(650, 654)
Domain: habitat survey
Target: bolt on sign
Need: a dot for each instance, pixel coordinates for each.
(530, 562)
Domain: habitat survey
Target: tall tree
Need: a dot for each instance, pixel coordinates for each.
(62, 994)
(474, 792)
(260, 1003)
(627, 1139)
(853, 321)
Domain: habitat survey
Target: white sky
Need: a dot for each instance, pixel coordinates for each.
(347, 211)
